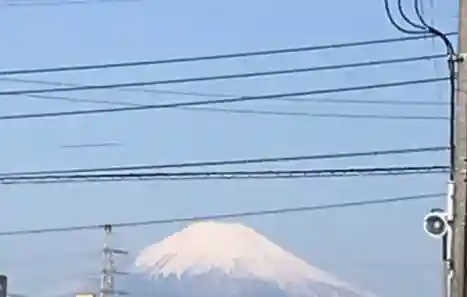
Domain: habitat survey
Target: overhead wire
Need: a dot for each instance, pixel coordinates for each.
(247, 110)
(329, 115)
(222, 77)
(452, 59)
(152, 178)
(177, 60)
(420, 16)
(308, 208)
(225, 175)
(328, 100)
(270, 52)
(243, 75)
(252, 111)
(389, 15)
(322, 115)
(201, 94)
(330, 156)
(422, 29)
(214, 101)
(436, 65)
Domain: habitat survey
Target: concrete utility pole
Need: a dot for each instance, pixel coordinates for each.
(108, 271)
(459, 230)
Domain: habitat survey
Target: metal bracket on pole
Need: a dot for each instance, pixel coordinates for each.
(459, 58)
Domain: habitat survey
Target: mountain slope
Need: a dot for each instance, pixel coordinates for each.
(237, 252)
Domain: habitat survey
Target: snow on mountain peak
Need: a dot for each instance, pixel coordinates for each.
(234, 249)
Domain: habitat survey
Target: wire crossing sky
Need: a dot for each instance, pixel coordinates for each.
(323, 207)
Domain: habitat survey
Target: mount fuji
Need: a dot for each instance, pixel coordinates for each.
(213, 259)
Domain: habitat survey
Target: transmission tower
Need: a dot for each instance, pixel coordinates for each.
(109, 271)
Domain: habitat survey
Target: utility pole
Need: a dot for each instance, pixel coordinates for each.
(458, 224)
(108, 271)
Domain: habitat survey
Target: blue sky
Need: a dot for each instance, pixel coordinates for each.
(380, 248)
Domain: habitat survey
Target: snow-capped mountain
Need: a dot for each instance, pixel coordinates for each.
(233, 256)
(212, 259)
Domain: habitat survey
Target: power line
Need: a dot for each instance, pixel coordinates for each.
(218, 56)
(253, 111)
(198, 94)
(232, 162)
(323, 207)
(277, 176)
(203, 94)
(280, 113)
(249, 111)
(319, 115)
(225, 175)
(216, 101)
(222, 77)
